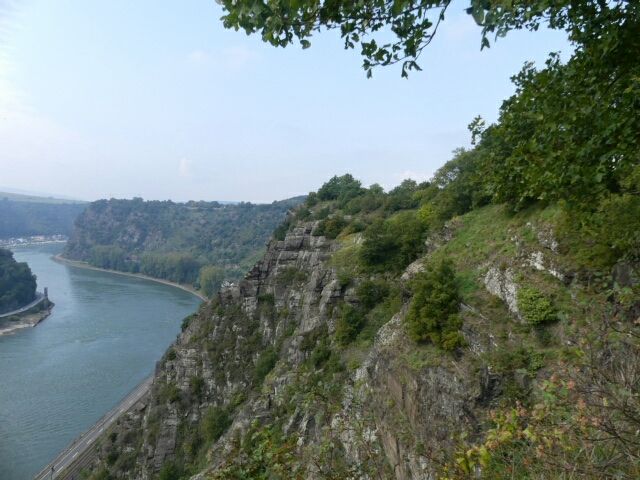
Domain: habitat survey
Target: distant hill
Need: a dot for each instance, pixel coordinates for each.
(174, 241)
(23, 197)
(28, 215)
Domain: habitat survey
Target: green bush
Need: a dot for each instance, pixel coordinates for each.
(535, 307)
(433, 312)
(281, 230)
(174, 394)
(393, 244)
(372, 292)
(345, 278)
(215, 422)
(265, 364)
(349, 324)
(312, 199)
(320, 354)
(185, 322)
(267, 298)
(170, 471)
(331, 227)
(196, 385)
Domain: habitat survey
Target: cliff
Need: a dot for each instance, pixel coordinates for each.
(264, 382)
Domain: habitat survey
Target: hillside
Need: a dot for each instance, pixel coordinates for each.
(386, 336)
(26, 216)
(175, 241)
(17, 283)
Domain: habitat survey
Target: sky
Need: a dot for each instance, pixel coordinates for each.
(156, 99)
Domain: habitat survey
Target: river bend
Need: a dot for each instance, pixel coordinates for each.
(104, 336)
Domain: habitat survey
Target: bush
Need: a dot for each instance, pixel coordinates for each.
(393, 244)
(214, 423)
(349, 324)
(433, 312)
(372, 292)
(331, 227)
(170, 471)
(196, 385)
(535, 307)
(265, 364)
(320, 354)
(345, 278)
(185, 322)
(267, 298)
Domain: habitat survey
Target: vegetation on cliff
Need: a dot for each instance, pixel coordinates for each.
(175, 241)
(17, 283)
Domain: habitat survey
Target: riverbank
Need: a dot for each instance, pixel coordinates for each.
(27, 320)
(59, 259)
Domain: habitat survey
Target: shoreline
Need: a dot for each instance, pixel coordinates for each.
(30, 321)
(73, 263)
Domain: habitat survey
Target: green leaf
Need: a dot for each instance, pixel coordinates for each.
(478, 15)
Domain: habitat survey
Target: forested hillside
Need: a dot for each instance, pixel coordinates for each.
(194, 243)
(25, 219)
(17, 283)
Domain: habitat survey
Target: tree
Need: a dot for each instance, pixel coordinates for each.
(414, 23)
(210, 279)
(17, 283)
(433, 314)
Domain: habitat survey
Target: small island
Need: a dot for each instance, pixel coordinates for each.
(20, 305)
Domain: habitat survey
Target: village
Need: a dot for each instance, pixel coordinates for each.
(33, 240)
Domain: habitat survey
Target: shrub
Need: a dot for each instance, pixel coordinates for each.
(345, 278)
(265, 363)
(535, 307)
(196, 385)
(320, 354)
(332, 227)
(266, 298)
(433, 312)
(372, 292)
(281, 230)
(349, 324)
(170, 471)
(214, 423)
(185, 322)
(312, 199)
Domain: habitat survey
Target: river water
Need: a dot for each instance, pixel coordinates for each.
(104, 336)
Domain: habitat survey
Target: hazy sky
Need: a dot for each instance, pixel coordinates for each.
(156, 99)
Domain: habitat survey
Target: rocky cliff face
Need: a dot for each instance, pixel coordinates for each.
(261, 361)
(277, 317)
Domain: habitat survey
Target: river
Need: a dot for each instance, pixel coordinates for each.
(104, 336)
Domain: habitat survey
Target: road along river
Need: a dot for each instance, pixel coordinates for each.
(103, 338)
